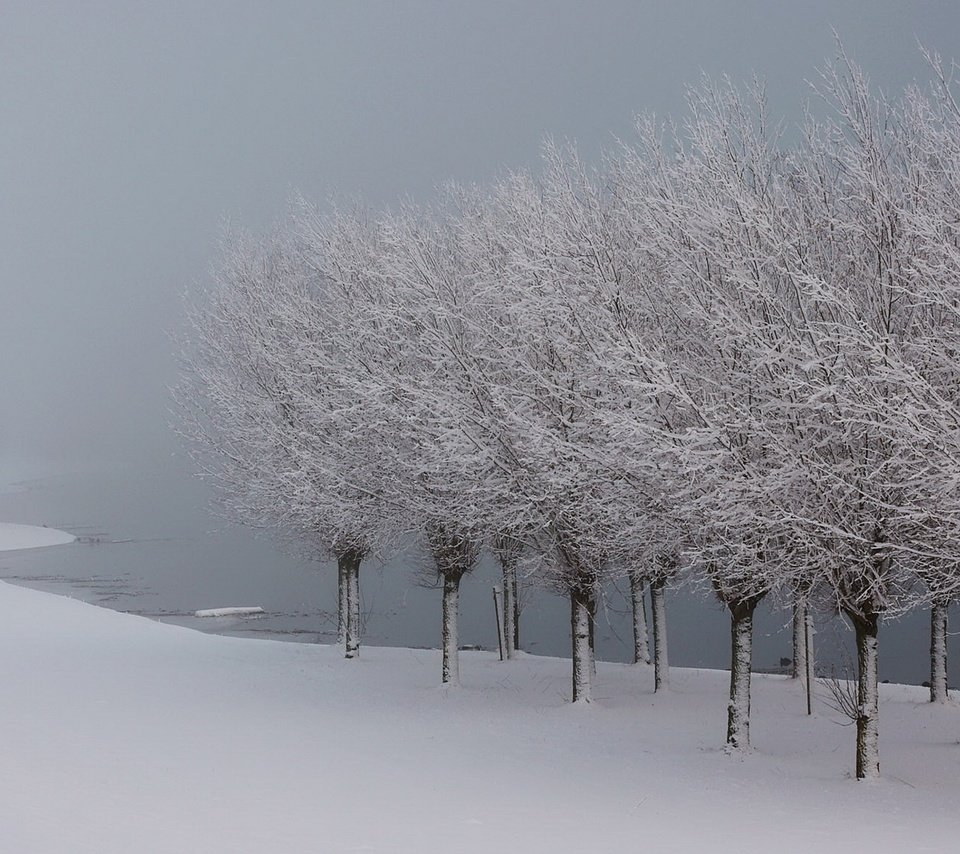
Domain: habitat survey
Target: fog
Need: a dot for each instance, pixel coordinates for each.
(132, 131)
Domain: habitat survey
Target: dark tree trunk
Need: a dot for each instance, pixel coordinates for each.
(938, 652)
(803, 654)
(516, 611)
(641, 650)
(661, 662)
(341, 599)
(508, 550)
(450, 630)
(592, 614)
(454, 554)
(580, 638)
(866, 627)
(509, 567)
(351, 560)
(741, 659)
(799, 637)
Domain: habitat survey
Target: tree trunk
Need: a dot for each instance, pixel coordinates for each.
(341, 599)
(868, 731)
(741, 657)
(509, 567)
(803, 653)
(450, 630)
(938, 652)
(352, 560)
(661, 663)
(580, 637)
(508, 550)
(641, 651)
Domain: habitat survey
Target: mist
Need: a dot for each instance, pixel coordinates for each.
(132, 132)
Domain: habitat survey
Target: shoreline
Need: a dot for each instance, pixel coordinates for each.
(17, 537)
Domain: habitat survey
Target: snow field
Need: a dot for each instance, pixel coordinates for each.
(122, 734)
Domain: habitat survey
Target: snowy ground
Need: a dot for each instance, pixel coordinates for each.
(14, 537)
(121, 734)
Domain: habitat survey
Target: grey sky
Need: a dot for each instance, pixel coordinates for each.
(130, 130)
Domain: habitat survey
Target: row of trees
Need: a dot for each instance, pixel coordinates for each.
(719, 355)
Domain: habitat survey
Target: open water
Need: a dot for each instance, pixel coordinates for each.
(149, 544)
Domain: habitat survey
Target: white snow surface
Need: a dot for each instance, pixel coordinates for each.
(122, 734)
(13, 536)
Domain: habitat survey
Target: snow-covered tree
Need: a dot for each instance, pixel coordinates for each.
(440, 454)
(717, 356)
(863, 438)
(872, 508)
(702, 199)
(271, 429)
(558, 286)
(930, 219)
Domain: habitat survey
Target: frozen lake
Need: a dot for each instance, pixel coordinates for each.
(148, 544)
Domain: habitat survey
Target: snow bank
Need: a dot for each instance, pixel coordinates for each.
(119, 733)
(228, 612)
(30, 537)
